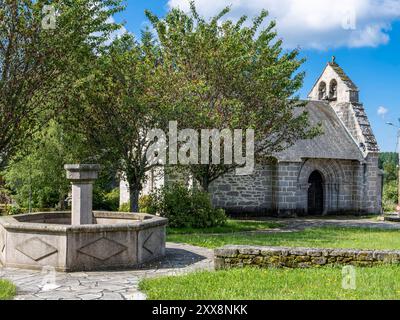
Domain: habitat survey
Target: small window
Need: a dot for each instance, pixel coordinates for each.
(322, 91)
(333, 90)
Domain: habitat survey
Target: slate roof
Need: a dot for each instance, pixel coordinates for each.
(335, 142)
(371, 144)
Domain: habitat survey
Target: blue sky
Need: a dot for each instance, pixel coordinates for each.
(368, 50)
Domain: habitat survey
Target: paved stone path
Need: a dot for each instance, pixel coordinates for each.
(304, 223)
(299, 224)
(114, 285)
(123, 285)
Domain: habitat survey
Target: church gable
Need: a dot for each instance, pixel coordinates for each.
(336, 88)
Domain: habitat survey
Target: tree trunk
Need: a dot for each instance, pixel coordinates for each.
(134, 193)
(61, 202)
(204, 183)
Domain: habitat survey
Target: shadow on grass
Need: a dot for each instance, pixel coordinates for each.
(174, 258)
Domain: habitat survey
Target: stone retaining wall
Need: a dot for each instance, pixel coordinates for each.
(280, 257)
(392, 218)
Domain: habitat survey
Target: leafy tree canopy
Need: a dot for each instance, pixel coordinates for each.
(40, 48)
(221, 74)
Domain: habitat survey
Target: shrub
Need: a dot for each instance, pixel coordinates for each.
(103, 200)
(186, 208)
(14, 209)
(125, 207)
(111, 200)
(145, 204)
(390, 196)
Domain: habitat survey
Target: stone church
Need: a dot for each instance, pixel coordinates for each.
(334, 173)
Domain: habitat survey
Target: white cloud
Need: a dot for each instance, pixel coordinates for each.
(117, 33)
(314, 23)
(382, 111)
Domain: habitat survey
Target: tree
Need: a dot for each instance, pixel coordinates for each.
(115, 111)
(41, 44)
(388, 161)
(36, 175)
(219, 74)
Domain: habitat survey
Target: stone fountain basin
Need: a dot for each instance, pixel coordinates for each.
(115, 240)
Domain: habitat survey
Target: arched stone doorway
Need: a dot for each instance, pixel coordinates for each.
(316, 194)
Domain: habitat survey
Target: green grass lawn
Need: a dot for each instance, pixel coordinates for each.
(7, 290)
(378, 283)
(317, 237)
(381, 282)
(230, 227)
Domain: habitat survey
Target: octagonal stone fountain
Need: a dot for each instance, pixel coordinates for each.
(81, 240)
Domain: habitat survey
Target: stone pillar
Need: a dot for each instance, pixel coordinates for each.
(82, 177)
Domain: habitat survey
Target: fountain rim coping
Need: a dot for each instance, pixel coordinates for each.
(82, 167)
(11, 223)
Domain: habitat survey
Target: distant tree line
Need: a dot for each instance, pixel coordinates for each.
(388, 162)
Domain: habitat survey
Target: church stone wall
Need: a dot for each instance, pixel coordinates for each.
(341, 182)
(373, 180)
(281, 190)
(288, 189)
(255, 193)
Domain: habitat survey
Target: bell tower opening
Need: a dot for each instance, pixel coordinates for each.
(322, 91)
(333, 90)
(316, 194)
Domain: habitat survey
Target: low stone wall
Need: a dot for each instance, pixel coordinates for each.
(279, 257)
(392, 218)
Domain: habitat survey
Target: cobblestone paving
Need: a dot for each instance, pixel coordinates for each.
(110, 285)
